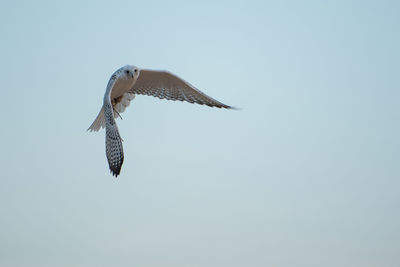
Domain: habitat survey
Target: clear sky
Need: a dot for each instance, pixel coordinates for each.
(307, 173)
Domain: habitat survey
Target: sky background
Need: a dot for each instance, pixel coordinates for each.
(307, 173)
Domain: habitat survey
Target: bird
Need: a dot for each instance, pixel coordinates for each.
(127, 82)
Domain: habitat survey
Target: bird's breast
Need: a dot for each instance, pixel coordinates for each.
(122, 102)
(121, 86)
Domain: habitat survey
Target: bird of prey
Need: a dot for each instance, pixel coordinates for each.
(122, 87)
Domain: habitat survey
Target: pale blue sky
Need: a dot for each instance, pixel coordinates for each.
(306, 174)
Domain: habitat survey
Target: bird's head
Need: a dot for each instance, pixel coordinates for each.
(129, 72)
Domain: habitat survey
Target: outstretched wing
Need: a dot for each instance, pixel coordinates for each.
(114, 150)
(163, 84)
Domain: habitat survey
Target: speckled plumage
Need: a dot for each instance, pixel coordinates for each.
(122, 87)
(114, 150)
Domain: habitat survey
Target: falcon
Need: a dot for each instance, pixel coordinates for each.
(124, 84)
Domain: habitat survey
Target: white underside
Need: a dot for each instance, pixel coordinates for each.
(99, 122)
(124, 103)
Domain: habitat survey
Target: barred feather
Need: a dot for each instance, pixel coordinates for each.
(165, 85)
(114, 150)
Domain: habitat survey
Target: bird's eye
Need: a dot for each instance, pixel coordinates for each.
(127, 71)
(135, 70)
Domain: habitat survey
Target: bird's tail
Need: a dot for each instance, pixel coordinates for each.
(98, 123)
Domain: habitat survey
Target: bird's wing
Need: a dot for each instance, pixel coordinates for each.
(114, 150)
(163, 84)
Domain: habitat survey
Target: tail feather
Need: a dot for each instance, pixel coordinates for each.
(98, 123)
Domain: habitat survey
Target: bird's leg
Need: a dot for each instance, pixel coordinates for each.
(114, 102)
(119, 115)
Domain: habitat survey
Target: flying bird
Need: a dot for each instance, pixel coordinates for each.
(124, 84)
